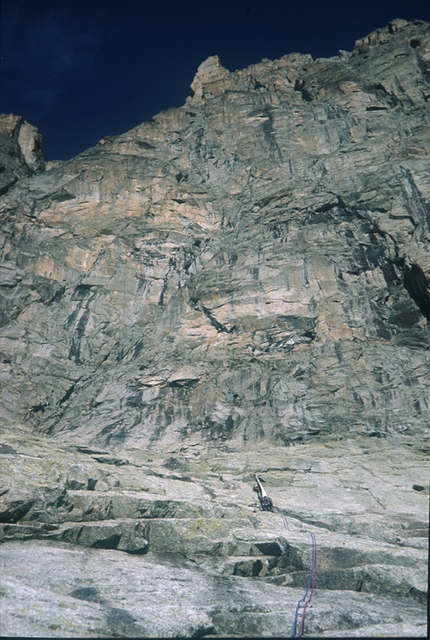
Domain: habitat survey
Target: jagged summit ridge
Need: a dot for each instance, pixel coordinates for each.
(212, 77)
(251, 266)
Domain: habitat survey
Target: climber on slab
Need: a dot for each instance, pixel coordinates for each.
(265, 502)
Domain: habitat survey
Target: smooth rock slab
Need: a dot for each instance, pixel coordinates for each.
(53, 589)
(230, 568)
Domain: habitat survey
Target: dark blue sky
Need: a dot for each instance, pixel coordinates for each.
(84, 69)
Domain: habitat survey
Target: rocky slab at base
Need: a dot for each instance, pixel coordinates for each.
(174, 544)
(60, 591)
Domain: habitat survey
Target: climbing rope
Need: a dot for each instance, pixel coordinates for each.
(285, 521)
(267, 505)
(309, 592)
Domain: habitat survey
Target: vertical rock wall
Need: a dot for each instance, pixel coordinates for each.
(252, 266)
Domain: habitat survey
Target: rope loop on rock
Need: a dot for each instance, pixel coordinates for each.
(296, 633)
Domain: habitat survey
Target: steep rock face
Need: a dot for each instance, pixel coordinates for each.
(20, 150)
(253, 266)
(177, 304)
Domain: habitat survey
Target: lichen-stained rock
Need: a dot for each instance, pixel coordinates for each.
(174, 545)
(253, 266)
(160, 595)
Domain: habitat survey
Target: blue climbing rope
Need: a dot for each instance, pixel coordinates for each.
(309, 592)
(267, 505)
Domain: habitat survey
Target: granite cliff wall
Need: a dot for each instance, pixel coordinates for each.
(178, 304)
(252, 266)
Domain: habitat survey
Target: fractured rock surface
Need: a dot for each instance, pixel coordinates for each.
(20, 150)
(171, 546)
(182, 304)
(251, 266)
